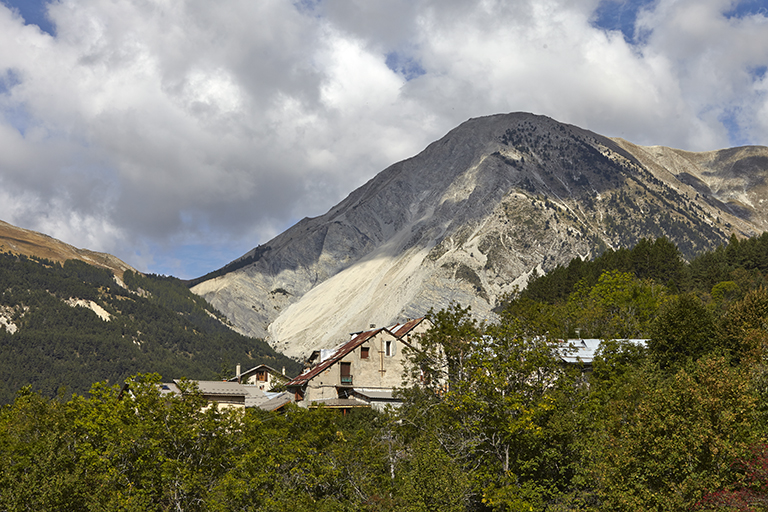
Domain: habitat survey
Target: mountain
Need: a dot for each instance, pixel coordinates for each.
(65, 326)
(31, 243)
(473, 217)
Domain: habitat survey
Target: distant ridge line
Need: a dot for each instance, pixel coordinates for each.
(256, 255)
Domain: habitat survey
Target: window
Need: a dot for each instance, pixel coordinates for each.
(388, 350)
(346, 373)
(363, 352)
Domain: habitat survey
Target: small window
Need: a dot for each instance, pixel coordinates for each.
(346, 373)
(389, 348)
(363, 352)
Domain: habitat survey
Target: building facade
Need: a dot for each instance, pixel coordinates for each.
(363, 371)
(262, 376)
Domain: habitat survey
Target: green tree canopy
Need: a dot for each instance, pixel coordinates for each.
(684, 330)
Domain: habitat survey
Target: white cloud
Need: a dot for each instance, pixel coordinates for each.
(147, 124)
(712, 56)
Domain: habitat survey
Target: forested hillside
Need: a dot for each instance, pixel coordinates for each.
(492, 420)
(155, 324)
(620, 293)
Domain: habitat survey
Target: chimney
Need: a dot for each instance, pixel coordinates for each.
(283, 370)
(237, 372)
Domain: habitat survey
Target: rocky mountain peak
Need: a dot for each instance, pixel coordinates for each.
(472, 217)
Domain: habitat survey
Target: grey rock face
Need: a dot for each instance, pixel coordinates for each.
(472, 217)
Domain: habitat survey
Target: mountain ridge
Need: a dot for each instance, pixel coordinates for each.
(26, 242)
(472, 217)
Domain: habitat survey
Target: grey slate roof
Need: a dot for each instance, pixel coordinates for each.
(215, 387)
(277, 402)
(378, 395)
(252, 396)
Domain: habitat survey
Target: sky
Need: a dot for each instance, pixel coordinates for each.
(179, 134)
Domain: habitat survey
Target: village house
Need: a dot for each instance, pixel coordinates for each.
(362, 372)
(262, 376)
(222, 393)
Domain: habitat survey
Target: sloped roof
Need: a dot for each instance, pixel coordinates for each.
(169, 388)
(253, 370)
(338, 353)
(255, 396)
(276, 403)
(400, 330)
(397, 330)
(252, 395)
(370, 394)
(215, 387)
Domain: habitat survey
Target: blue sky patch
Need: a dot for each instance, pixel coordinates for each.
(747, 8)
(620, 15)
(758, 72)
(730, 119)
(306, 6)
(14, 115)
(189, 261)
(404, 65)
(34, 12)
(8, 79)
(17, 117)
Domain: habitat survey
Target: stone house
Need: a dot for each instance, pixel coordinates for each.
(362, 372)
